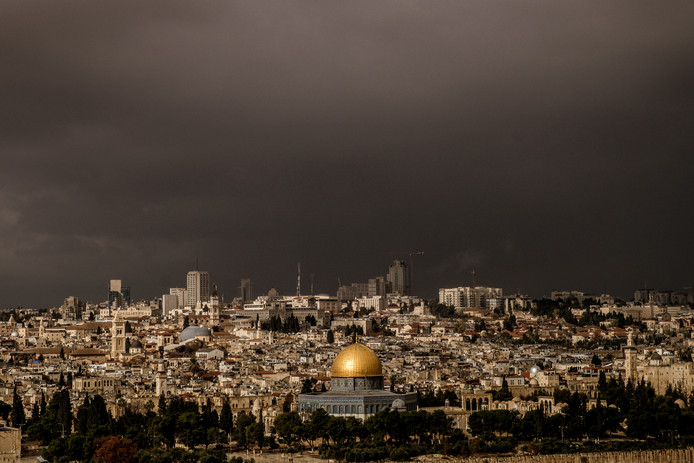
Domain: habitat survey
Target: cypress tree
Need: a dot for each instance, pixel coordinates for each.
(17, 415)
(226, 420)
(162, 405)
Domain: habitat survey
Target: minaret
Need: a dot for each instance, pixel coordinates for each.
(117, 335)
(161, 378)
(630, 358)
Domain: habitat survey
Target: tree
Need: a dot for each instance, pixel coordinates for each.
(330, 337)
(255, 434)
(186, 322)
(289, 427)
(307, 385)
(602, 382)
(189, 429)
(128, 327)
(226, 419)
(316, 426)
(97, 414)
(162, 405)
(62, 353)
(127, 345)
(504, 393)
(55, 421)
(17, 414)
(115, 449)
(242, 422)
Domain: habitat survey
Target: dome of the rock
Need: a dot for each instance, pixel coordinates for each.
(356, 361)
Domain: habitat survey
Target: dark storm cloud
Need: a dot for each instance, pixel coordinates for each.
(542, 144)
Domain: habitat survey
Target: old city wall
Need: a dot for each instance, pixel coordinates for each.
(650, 456)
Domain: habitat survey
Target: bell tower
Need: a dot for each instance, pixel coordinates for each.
(630, 358)
(117, 335)
(161, 378)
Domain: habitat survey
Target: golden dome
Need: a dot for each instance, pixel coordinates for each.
(356, 360)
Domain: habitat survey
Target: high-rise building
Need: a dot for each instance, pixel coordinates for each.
(118, 295)
(378, 287)
(169, 302)
(198, 285)
(399, 277)
(247, 290)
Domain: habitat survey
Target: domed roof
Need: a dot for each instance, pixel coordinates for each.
(398, 404)
(136, 343)
(192, 332)
(356, 360)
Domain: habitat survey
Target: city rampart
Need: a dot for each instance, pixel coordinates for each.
(646, 456)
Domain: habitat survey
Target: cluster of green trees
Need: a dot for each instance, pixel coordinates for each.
(388, 434)
(354, 329)
(275, 324)
(441, 310)
(634, 410)
(431, 398)
(562, 309)
(95, 435)
(309, 385)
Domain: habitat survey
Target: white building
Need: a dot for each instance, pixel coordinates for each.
(374, 302)
(466, 296)
(181, 294)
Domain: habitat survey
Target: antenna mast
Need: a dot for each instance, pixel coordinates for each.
(298, 279)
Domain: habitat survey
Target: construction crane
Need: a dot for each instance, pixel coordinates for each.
(411, 254)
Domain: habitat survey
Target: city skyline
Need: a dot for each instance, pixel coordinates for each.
(543, 145)
(200, 281)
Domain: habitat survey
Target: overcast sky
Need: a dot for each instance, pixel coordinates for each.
(546, 145)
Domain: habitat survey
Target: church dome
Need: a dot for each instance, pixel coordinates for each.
(192, 332)
(356, 361)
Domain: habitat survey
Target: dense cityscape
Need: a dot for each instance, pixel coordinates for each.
(304, 231)
(371, 373)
